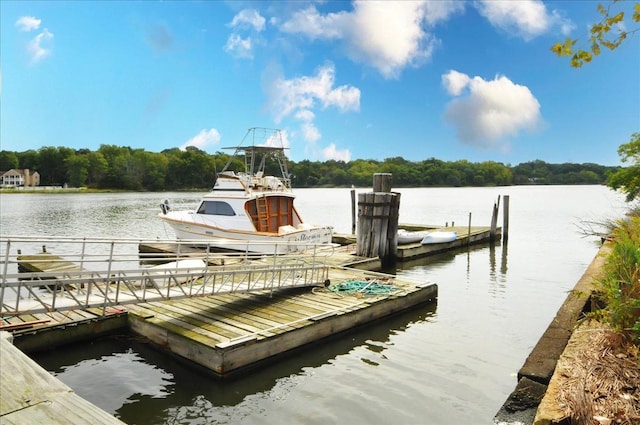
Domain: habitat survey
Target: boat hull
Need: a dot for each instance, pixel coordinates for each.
(439, 237)
(289, 241)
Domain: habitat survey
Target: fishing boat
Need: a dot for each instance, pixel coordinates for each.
(247, 209)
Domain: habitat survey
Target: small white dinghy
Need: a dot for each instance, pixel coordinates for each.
(177, 272)
(439, 237)
(408, 236)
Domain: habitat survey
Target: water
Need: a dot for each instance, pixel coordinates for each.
(454, 362)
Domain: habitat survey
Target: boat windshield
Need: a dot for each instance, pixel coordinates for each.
(215, 208)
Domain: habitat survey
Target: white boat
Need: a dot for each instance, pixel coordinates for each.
(248, 210)
(411, 236)
(439, 236)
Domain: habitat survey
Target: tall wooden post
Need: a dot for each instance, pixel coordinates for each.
(353, 211)
(505, 218)
(494, 221)
(378, 221)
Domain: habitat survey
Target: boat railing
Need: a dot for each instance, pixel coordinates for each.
(53, 274)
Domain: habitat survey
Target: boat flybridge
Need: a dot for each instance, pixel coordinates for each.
(250, 209)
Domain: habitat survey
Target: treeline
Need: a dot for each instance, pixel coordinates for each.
(117, 167)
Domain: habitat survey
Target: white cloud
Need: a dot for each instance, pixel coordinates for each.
(388, 36)
(299, 97)
(203, 140)
(302, 94)
(524, 18)
(245, 20)
(492, 111)
(455, 82)
(310, 132)
(248, 18)
(28, 23)
(36, 47)
(239, 47)
(312, 24)
(331, 152)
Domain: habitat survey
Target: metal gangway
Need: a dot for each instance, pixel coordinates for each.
(53, 274)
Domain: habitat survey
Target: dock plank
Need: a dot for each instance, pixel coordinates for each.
(31, 395)
(220, 318)
(167, 323)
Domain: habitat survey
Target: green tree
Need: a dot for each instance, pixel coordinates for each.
(609, 33)
(98, 166)
(28, 159)
(77, 170)
(627, 179)
(8, 160)
(51, 164)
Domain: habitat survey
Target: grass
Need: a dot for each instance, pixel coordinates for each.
(619, 287)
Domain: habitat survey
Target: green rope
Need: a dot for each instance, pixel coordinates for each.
(364, 287)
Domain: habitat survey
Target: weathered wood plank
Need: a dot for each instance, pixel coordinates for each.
(171, 325)
(250, 314)
(221, 318)
(31, 395)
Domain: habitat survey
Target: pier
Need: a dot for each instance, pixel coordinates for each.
(220, 300)
(227, 312)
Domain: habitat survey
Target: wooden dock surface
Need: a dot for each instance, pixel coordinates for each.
(31, 395)
(229, 333)
(46, 262)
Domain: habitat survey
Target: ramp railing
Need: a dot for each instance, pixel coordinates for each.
(52, 274)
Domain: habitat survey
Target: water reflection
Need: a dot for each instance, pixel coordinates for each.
(110, 372)
(130, 378)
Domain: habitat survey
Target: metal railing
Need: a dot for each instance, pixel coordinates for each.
(52, 274)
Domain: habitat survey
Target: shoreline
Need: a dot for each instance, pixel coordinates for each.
(524, 406)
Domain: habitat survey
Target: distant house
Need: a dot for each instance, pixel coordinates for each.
(19, 177)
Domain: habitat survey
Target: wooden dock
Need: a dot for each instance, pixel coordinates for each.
(466, 236)
(233, 332)
(344, 246)
(31, 395)
(229, 333)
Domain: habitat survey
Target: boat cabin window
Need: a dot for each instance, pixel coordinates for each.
(215, 208)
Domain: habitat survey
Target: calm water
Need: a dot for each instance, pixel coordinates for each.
(454, 362)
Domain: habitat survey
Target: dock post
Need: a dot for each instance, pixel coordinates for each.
(353, 211)
(378, 221)
(469, 231)
(505, 218)
(494, 221)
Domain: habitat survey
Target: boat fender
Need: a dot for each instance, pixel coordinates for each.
(164, 206)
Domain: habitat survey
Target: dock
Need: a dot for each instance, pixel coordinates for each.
(344, 252)
(229, 316)
(31, 395)
(233, 332)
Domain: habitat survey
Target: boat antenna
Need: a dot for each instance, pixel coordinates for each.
(215, 173)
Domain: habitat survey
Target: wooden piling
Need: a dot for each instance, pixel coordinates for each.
(378, 221)
(505, 218)
(494, 221)
(353, 211)
(382, 182)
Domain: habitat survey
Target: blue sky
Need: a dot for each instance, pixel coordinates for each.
(452, 80)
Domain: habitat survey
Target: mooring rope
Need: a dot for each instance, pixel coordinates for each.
(364, 287)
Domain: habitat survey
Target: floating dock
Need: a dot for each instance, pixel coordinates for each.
(234, 331)
(229, 333)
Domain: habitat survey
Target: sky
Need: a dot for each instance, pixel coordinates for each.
(451, 80)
